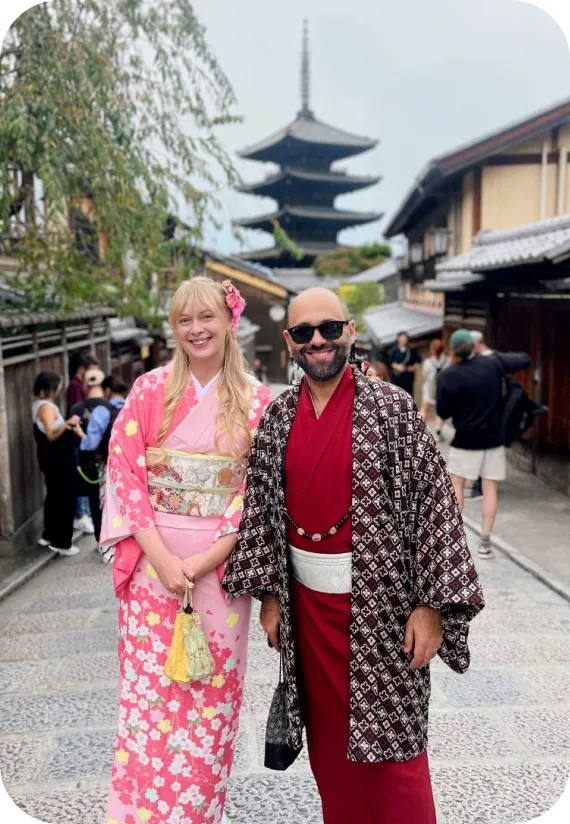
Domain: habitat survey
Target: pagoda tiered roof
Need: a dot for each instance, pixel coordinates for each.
(307, 135)
(337, 182)
(273, 255)
(323, 214)
(305, 187)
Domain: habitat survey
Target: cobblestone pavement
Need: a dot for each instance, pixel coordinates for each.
(500, 735)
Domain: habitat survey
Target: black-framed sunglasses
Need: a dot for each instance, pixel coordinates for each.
(328, 329)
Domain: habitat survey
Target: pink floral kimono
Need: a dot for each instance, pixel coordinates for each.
(175, 742)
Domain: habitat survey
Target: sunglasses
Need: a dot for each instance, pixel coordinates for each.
(328, 330)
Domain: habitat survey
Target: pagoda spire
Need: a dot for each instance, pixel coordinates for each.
(306, 184)
(305, 72)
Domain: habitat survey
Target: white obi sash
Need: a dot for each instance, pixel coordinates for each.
(322, 573)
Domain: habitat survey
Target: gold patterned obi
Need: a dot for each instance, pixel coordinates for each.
(199, 485)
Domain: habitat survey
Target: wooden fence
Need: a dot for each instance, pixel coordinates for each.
(32, 343)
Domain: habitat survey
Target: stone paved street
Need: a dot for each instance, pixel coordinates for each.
(500, 736)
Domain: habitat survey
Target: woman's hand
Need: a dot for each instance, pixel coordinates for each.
(72, 422)
(196, 567)
(204, 562)
(171, 574)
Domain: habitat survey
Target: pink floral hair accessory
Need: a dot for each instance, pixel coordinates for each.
(234, 302)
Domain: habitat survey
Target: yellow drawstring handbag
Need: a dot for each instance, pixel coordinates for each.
(189, 658)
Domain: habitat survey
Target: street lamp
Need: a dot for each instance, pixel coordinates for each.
(416, 252)
(277, 312)
(440, 241)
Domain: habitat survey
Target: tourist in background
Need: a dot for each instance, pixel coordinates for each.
(481, 348)
(431, 369)
(479, 344)
(172, 508)
(376, 370)
(470, 392)
(105, 398)
(403, 362)
(57, 440)
(297, 374)
(259, 371)
(79, 363)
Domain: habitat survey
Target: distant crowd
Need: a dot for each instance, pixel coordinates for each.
(72, 451)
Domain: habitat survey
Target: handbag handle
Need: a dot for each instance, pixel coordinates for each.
(188, 607)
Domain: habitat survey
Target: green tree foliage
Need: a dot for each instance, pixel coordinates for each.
(361, 296)
(283, 240)
(350, 261)
(114, 106)
(376, 250)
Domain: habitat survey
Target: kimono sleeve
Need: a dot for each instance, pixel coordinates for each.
(232, 516)
(444, 575)
(127, 508)
(252, 567)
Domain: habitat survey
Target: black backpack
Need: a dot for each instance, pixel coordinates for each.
(89, 461)
(103, 448)
(519, 411)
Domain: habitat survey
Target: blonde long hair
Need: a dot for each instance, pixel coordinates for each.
(235, 390)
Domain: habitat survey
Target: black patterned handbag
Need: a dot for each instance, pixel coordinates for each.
(279, 753)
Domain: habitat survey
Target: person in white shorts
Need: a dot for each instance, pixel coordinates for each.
(481, 348)
(470, 393)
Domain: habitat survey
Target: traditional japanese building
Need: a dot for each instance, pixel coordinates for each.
(488, 233)
(306, 184)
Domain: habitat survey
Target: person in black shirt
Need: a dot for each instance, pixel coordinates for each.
(403, 362)
(470, 393)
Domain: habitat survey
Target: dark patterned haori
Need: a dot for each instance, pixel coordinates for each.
(408, 547)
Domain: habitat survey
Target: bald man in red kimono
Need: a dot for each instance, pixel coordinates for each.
(358, 553)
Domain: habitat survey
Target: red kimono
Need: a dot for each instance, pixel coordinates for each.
(318, 469)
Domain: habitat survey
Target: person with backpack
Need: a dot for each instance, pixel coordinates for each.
(431, 369)
(99, 412)
(79, 364)
(471, 393)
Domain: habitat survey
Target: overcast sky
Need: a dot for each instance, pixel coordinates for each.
(422, 77)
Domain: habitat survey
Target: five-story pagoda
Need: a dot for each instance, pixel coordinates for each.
(306, 185)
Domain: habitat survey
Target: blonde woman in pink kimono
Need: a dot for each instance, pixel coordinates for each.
(174, 499)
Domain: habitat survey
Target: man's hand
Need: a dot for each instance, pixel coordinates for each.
(269, 618)
(423, 635)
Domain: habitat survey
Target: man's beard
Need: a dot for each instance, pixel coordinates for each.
(323, 371)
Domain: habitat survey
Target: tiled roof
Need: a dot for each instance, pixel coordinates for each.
(376, 274)
(12, 318)
(385, 322)
(275, 252)
(532, 243)
(437, 171)
(310, 130)
(297, 280)
(300, 279)
(315, 176)
(311, 213)
(452, 281)
(252, 268)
